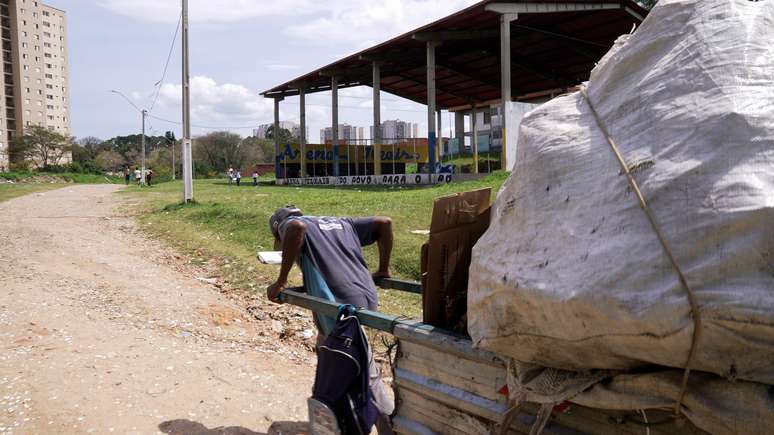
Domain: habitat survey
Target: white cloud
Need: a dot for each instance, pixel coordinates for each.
(210, 10)
(219, 105)
(362, 22)
(368, 22)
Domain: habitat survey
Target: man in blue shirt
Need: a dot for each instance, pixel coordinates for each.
(328, 249)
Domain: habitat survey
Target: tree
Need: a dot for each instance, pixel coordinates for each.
(285, 135)
(220, 150)
(109, 160)
(43, 146)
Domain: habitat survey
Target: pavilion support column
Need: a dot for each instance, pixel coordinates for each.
(377, 136)
(439, 145)
(431, 136)
(505, 85)
(302, 133)
(459, 130)
(335, 123)
(277, 168)
(474, 136)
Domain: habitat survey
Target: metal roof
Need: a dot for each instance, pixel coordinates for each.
(549, 53)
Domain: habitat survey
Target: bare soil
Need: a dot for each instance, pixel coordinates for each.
(103, 330)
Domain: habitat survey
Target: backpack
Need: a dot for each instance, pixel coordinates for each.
(342, 378)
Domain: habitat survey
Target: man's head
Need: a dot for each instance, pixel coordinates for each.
(279, 216)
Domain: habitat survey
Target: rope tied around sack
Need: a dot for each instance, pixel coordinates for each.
(695, 311)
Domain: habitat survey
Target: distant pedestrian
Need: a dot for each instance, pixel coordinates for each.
(230, 175)
(137, 176)
(238, 176)
(255, 178)
(127, 175)
(149, 176)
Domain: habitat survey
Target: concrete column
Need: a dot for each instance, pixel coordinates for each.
(439, 145)
(302, 134)
(431, 136)
(459, 129)
(474, 137)
(377, 139)
(505, 80)
(277, 171)
(335, 123)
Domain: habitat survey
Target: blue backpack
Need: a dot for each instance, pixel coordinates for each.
(342, 379)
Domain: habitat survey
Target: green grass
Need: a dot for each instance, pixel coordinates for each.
(10, 191)
(231, 223)
(65, 177)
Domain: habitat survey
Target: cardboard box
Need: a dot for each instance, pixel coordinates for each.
(458, 222)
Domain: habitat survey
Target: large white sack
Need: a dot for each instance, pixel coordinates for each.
(571, 274)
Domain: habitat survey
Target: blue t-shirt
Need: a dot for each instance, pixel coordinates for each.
(333, 245)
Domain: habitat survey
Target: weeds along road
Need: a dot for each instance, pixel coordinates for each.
(99, 335)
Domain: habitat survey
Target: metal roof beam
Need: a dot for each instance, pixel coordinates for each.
(544, 8)
(442, 91)
(456, 70)
(454, 35)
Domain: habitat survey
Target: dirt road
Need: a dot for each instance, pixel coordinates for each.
(99, 335)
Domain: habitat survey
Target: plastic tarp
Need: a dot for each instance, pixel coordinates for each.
(571, 275)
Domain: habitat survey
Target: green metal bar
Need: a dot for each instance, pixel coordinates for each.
(399, 284)
(373, 319)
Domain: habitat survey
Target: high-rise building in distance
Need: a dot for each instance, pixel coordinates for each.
(35, 72)
(350, 134)
(394, 131)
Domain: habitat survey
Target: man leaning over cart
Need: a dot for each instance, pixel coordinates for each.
(328, 250)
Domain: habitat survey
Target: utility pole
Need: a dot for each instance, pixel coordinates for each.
(173, 160)
(142, 158)
(144, 114)
(187, 156)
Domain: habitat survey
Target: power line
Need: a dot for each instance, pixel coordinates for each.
(160, 83)
(205, 126)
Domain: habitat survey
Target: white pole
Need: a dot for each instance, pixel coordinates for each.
(187, 156)
(142, 157)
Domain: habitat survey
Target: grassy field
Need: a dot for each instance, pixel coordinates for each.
(9, 191)
(32, 182)
(64, 177)
(231, 223)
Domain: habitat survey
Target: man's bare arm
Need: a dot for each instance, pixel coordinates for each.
(292, 243)
(383, 227)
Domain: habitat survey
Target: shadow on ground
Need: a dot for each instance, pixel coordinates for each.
(188, 427)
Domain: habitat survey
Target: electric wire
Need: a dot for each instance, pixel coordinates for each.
(160, 83)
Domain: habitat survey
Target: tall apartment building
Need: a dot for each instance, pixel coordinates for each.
(35, 72)
(350, 134)
(394, 131)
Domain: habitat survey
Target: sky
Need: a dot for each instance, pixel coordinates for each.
(238, 48)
